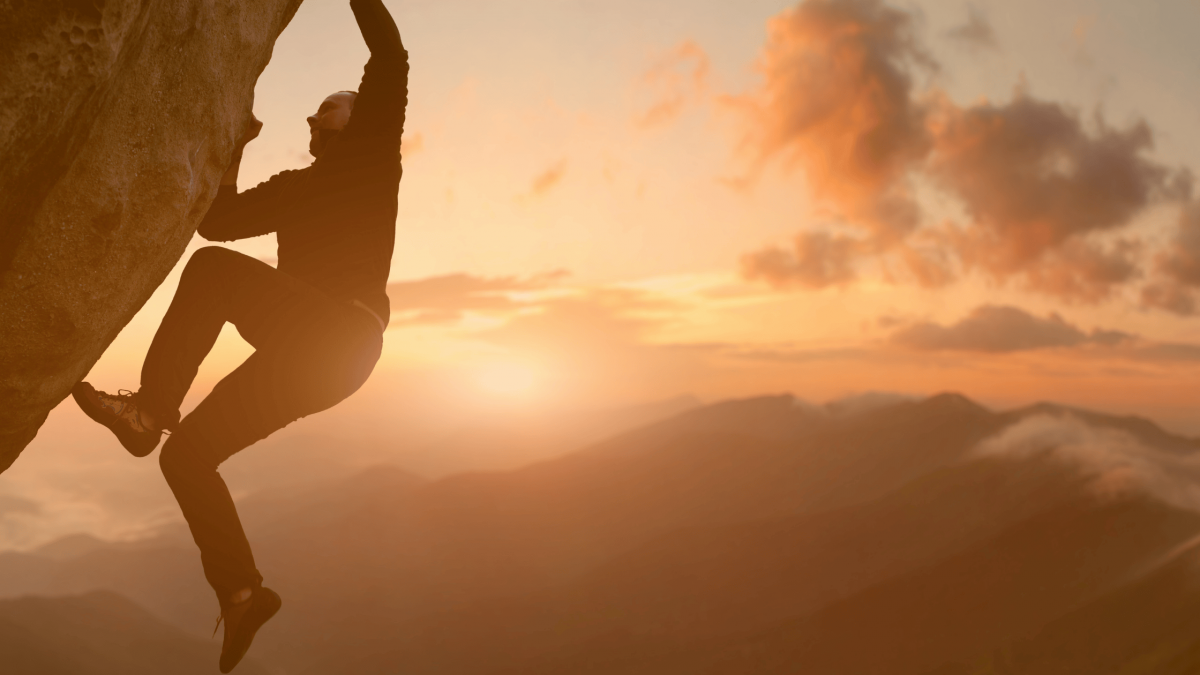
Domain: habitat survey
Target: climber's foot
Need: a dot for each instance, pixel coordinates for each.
(119, 413)
(242, 621)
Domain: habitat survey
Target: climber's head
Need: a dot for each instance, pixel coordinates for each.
(331, 118)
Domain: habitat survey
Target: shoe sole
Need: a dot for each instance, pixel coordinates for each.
(256, 618)
(138, 447)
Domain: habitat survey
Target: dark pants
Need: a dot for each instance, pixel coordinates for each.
(312, 351)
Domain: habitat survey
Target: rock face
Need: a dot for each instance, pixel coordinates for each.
(117, 119)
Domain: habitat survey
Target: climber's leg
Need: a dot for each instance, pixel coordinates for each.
(321, 356)
(217, 286)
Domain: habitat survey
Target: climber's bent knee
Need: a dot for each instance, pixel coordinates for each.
(179, 457)
(211, 260)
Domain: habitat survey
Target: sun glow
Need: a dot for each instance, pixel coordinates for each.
(508, 380)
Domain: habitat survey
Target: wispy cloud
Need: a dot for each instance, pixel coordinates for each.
(678, 79)
(1114, 460)
(1178, 289)
(994, 329)
(443, 299)
(547, 180)
(998, 329)
(977, 33)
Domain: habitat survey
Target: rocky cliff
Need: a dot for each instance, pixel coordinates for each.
(117, 119)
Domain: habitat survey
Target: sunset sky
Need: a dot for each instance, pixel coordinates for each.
(613, 203)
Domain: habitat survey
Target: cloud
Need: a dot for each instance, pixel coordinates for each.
(1179, 266)
(1170, 352)
(443, 299)
(997, 329)
(1036, 182)
(548, 179)
(1171, 296)
(1114, 461)
(977, 33)
(788, 354)
(815, 260)
(1047, 196)
(13, 504)
(837, 102)
(679, 78)
(1082, 270)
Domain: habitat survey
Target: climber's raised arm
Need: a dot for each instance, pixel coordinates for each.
(383, 94)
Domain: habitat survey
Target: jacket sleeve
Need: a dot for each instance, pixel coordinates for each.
(252, 213)
(383, 95)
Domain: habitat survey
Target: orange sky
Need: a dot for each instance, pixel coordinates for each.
(604, 177)
(607, 204)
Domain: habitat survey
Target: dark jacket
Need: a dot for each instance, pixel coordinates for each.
(336, 220)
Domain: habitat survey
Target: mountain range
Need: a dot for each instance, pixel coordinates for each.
(930, 537)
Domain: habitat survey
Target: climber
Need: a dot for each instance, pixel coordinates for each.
(316, 322)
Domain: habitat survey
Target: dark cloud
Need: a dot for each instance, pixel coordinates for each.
(443, 299)
(998, 329)
(1084, 271)
(977, 32)
(815, 260)
(1182, 260)
(1036, 182)
(1171, 296)
(1047, 194)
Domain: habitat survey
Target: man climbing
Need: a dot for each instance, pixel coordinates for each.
(316, 322)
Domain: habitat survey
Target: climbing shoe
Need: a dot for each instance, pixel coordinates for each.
(242, 621)
(119, 413)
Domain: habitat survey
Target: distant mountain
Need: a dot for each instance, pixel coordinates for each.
(164, 574)
(99, 634)
(756, 536)
(991, 594)
(952, 565)
(1150, 626)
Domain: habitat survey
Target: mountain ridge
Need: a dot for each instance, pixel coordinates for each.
(721, 524)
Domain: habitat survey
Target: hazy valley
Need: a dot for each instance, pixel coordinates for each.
(761, 535)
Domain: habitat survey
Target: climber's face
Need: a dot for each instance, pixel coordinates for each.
(331, 117)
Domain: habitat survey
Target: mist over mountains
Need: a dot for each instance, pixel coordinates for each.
(763, 535)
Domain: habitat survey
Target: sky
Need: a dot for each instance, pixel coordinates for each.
(609, 204)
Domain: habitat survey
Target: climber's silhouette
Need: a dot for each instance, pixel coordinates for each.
(316, 322)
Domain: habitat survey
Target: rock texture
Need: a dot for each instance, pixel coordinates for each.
(117, 119)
